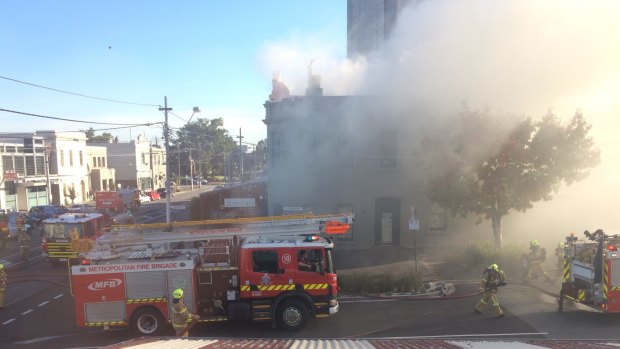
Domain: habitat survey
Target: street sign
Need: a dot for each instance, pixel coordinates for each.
(239, 202)
(9, 175)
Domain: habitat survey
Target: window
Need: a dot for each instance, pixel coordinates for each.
(61, 154)
(387, 149)
(265, 261)
(7, 162)
(437, 219)
(310, 261)
(40, 165)
(95, 162)
(30, 171)
(81, 159)
(102, 161)
(70, 158)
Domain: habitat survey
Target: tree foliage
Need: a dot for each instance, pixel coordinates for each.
(91, 137)
(208, 144)
(487, 166)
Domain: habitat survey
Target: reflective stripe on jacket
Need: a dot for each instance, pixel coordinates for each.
(180, 315)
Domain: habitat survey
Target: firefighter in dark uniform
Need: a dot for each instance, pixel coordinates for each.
(181, 317)
(24, 244)
(492, 278)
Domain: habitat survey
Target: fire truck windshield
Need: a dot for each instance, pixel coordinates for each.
(61, 230)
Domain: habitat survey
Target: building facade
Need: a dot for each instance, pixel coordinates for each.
(138, 163)
(342, 154)
(102, 178)
(24, 171)
(68, 166)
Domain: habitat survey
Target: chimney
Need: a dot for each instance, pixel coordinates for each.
(314, 83)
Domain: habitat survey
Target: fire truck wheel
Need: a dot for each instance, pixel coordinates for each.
(147, 322)
(292, 315)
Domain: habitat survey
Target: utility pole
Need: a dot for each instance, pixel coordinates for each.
(167, 146)
(47, 174)
(240, 157)
(191, 169)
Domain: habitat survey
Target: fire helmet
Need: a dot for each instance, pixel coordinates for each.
(1, 266)
(177, 294)
(494, 267)
(534, 243)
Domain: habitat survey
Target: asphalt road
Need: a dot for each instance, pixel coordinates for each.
(40, 311)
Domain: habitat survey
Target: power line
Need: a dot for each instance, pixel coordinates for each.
(78, 94)
(73, 120)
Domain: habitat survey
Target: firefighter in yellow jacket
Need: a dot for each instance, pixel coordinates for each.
(492, 278)
(181, 317)
(536, 257)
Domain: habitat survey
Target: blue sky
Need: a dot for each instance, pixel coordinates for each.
(218, 55)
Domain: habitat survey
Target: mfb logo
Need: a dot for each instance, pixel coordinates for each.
(102, 285)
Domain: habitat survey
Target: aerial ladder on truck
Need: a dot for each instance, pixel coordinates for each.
(150, 236)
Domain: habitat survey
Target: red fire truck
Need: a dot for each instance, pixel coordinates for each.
(229, 269)
(592, 271)
(69, 234)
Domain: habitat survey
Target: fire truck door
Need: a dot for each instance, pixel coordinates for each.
(267, 271)
(310, 270)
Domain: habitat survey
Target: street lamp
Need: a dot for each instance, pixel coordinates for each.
(191, 161)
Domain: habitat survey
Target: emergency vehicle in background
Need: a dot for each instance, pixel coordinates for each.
(118, 201)
(69, 234)
(228, 269)
(591, 273)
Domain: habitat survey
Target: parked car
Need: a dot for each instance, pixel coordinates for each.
(154, 195)
(37, 214)
(161, 192)
(144, 198)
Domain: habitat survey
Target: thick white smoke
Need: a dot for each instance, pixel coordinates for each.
(521, 57)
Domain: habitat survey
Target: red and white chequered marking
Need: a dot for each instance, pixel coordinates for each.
(204, 343)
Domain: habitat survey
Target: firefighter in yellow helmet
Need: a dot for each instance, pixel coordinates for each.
(492, 278)
(24, 244)
(2, 285)
(182, 319)
(535, 258)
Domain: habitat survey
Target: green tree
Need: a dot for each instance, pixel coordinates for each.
(486, 166)
(91, 137)
(71, 193)
(209, 144)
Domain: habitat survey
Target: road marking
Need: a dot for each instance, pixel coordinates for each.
(8, 321)
(42, 304)
(60, 295)
(27, 312)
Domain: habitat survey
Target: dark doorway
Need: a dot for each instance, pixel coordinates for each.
(387, 221)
